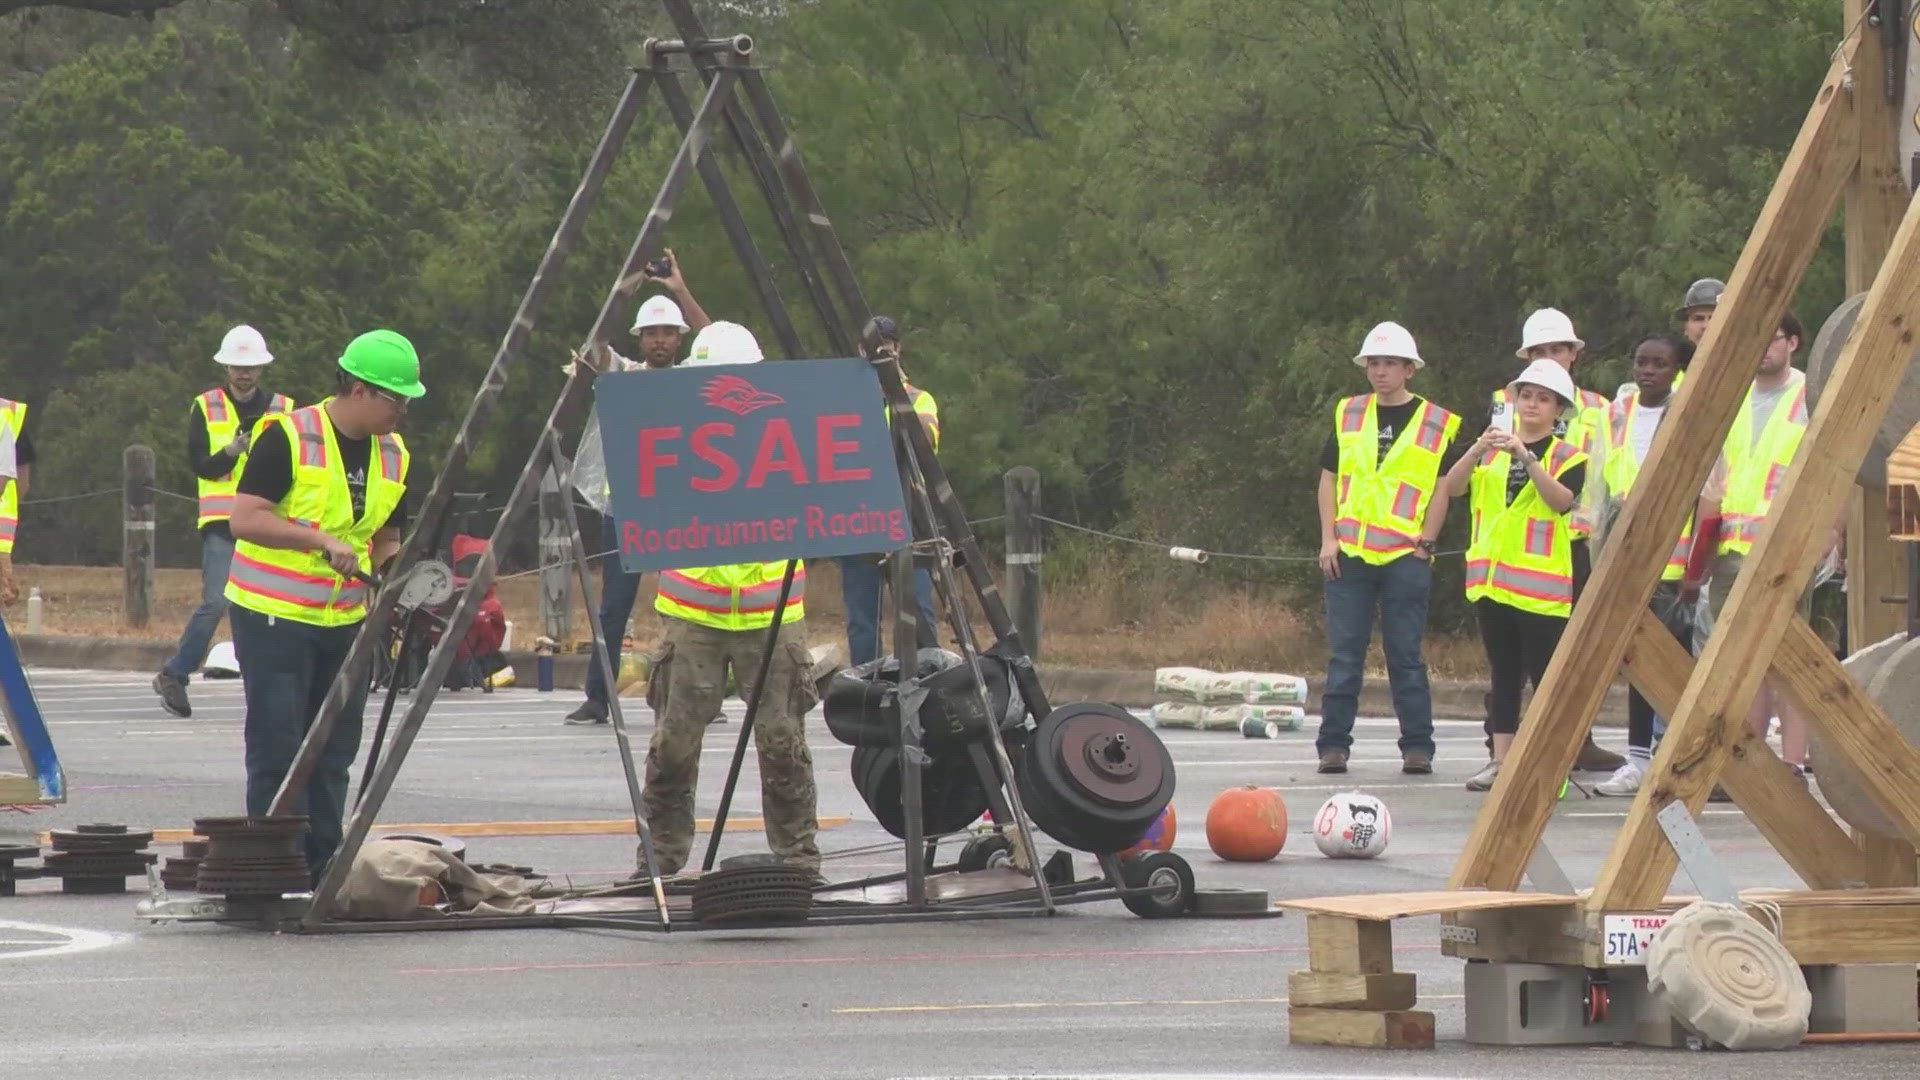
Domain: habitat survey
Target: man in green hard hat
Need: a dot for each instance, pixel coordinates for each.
(318, 504)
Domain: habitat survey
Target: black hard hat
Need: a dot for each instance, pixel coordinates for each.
(878, 330)
(1703, 293)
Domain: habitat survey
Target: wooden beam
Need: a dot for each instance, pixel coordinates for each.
(1775, 800)
(1853, 725)
(1514, 815)
(1890, 862)
(1340, 945)
(1759, 611)
(1402, 1030)
(1327, 990)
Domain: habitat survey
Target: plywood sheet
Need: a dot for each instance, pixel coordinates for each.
(1404, 905)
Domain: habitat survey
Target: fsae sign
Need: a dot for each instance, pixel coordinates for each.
(742, 463)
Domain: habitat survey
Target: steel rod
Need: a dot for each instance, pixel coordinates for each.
(906, 646)
(754, 698)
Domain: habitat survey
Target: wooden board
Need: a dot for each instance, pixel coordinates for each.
(1398, 1030)
(1339, 945)
(1534, 935)
(18, 790)
(1403, 905)
(1514, 815)
(1331, 990)
(1890, 862)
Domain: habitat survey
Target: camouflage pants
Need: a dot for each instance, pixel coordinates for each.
(686, 680)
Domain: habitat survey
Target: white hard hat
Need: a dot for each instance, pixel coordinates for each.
(724, 343)
(1389, 339)
(659, 311)
(1544, 327)
(1547, 373)
(243, 347)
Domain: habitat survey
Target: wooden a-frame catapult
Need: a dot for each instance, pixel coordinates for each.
(1861, 905)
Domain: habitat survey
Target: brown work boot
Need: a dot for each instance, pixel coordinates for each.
(1416, 763)
(1595, 759)
(1333, 761)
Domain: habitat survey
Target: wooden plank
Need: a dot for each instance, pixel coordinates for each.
(1343, 946)
(1330, 990)
(1758, 613)
(1853, 724)
(1536, 935)
(1398, 1030)
(1402, 905)
(1889, 862)
(1876, 568)
(1514, 815)
(1848, 934)
(18, 790)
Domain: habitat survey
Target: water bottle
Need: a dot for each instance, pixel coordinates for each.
(36, 607)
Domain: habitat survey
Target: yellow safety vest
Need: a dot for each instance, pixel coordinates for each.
(222, 418)
(736, 597)
(1586, 429)
(1754, 471)
(1622, 470)
(929, 412)
(1380, 504)
(300, 585)
(1521, 554)
(13, 418)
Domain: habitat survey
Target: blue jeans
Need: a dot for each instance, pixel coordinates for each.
(618, 589)
(286, 669)
(1399, 590)
(216, 558)
(861, 578)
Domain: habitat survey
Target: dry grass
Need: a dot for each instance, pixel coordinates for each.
(1128, 618)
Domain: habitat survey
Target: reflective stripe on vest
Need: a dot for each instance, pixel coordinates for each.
(686, 594)
(1623, 471)
(1520, 554)
(308, 590)
(1380, 503)
(222, 420)
(1755, 468)
(13, 419)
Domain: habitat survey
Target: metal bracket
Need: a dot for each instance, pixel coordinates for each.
(1464, 935)
(1710, 878)
(1546, 874)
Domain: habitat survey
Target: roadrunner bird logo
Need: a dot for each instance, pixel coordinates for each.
(1366, 821)
(737, 395)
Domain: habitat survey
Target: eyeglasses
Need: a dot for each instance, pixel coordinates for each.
(399, 402)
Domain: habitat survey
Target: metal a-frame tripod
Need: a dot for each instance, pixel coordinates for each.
(946, 541)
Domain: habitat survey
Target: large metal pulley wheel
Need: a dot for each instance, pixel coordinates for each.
(1095, 777)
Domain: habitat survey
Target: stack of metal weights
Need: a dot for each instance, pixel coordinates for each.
(183, 873)
(11, 855)
(253, 858)
(97, 858)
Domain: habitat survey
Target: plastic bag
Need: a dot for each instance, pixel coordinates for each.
(1177, 714)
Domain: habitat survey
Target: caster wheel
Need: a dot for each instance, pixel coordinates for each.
(983, 852)
(1166, 875)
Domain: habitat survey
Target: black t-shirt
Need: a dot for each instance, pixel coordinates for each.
(1517, 471)
(269, 471)
(22, 450)
(1391, 421)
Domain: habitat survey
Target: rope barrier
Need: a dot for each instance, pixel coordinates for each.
(1162, 547)
(70, 498)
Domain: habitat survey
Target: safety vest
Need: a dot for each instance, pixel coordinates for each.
(1622, 469)
(13, 418)
(736, 597)
(300, 585)
(1380, 504)
(222, 418)
(1754, 470)
(929, 412)
(1586, 428)
(1521, 554)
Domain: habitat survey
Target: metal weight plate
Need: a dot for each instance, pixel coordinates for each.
(1903, 408)
(1100, 774)
(428, 584)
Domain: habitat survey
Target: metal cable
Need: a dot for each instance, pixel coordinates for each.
(1210, 552)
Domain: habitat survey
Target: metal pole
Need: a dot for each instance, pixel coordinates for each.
(136, 545)
(1023, 554)
(294, 787)
(906, 647)
(572, 397)
(753, 709)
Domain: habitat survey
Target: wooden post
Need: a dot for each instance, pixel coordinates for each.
(136, 545)
(1023, 555)
(556, 584)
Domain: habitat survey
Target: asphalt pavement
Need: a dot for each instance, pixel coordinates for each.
(90, 991)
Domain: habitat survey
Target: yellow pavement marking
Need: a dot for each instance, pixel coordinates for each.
(1168, 1003)
(613, 827)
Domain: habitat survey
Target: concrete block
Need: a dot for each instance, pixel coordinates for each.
(1863, 997)
(1512, 1004)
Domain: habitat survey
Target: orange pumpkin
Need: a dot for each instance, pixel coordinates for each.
(1159, 836)
(1247, 824)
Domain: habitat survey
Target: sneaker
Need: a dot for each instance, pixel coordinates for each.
(173, 694)
(589, 712)
(1483, 780)
(1333, 761)
(1416, 763)
(1595, 759)
(1624, 781)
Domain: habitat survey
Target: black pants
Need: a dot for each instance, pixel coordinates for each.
(1678, 619)
(286, 669)
(1519, 645)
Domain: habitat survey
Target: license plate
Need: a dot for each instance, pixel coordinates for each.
(1627, 937)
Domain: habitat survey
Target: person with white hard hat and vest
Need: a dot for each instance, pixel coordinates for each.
(317, 510)
(16, 475)
(1548, 335)
(862, 577)
(1697, 307)
(1522, 485)
(716, 621)
(1381, 506)
(220, 425)
(1736, 501)
(659, 328)
(1658, 362)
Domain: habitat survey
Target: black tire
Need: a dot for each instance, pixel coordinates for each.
(1167, 874)
(982, 852)
(1072, 816)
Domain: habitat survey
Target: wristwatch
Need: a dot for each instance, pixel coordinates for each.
(1425, 545)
